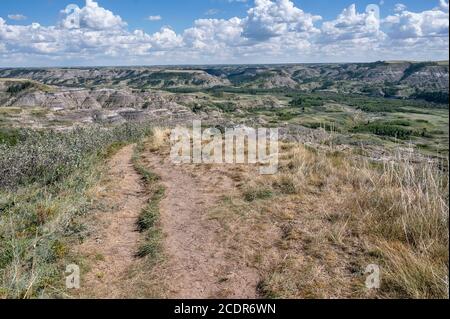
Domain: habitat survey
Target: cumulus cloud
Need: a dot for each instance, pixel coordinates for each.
(214, 36)
(268, 19)
(410, 25)
(166, 39)
(271, 31)
(91, 16)
(351, 25)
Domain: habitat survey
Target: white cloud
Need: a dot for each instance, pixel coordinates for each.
(443, 5)
(17, 17)
(213, 34)
(268, 19)
(271, 31)
(154, 18)
(166, 39)
(351, 25)
(90, 16)
(410, 25)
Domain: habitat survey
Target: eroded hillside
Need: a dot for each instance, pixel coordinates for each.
(382, 106)
(402, 79)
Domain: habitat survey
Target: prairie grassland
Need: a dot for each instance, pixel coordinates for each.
(45, 184)
(313, 228)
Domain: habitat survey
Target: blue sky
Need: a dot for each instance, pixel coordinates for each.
(262, 31)
(179, 14)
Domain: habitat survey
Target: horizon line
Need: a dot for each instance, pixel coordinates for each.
(213, 64)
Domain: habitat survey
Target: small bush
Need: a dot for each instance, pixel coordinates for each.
(384, 129)
(286, 185)
(253, 194)
(9, 137)
(46, 157)
(16, 88)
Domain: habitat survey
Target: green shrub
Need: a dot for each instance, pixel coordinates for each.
(377, 108)
(9, 137)
(436, 97)
(226, 107)
(306, 101)
(399, 122)
(253, 194)
(16, 88)
(384, 129)
(46, 157)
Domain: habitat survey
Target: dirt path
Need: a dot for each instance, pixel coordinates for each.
(197, 264)
(111, 250)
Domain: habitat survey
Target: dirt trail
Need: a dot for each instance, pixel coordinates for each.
(198, 264)
(112, 248)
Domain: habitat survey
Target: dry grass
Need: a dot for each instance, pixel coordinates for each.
(160, 138)
(314, 227)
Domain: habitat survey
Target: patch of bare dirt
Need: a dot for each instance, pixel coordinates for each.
(198, 263)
